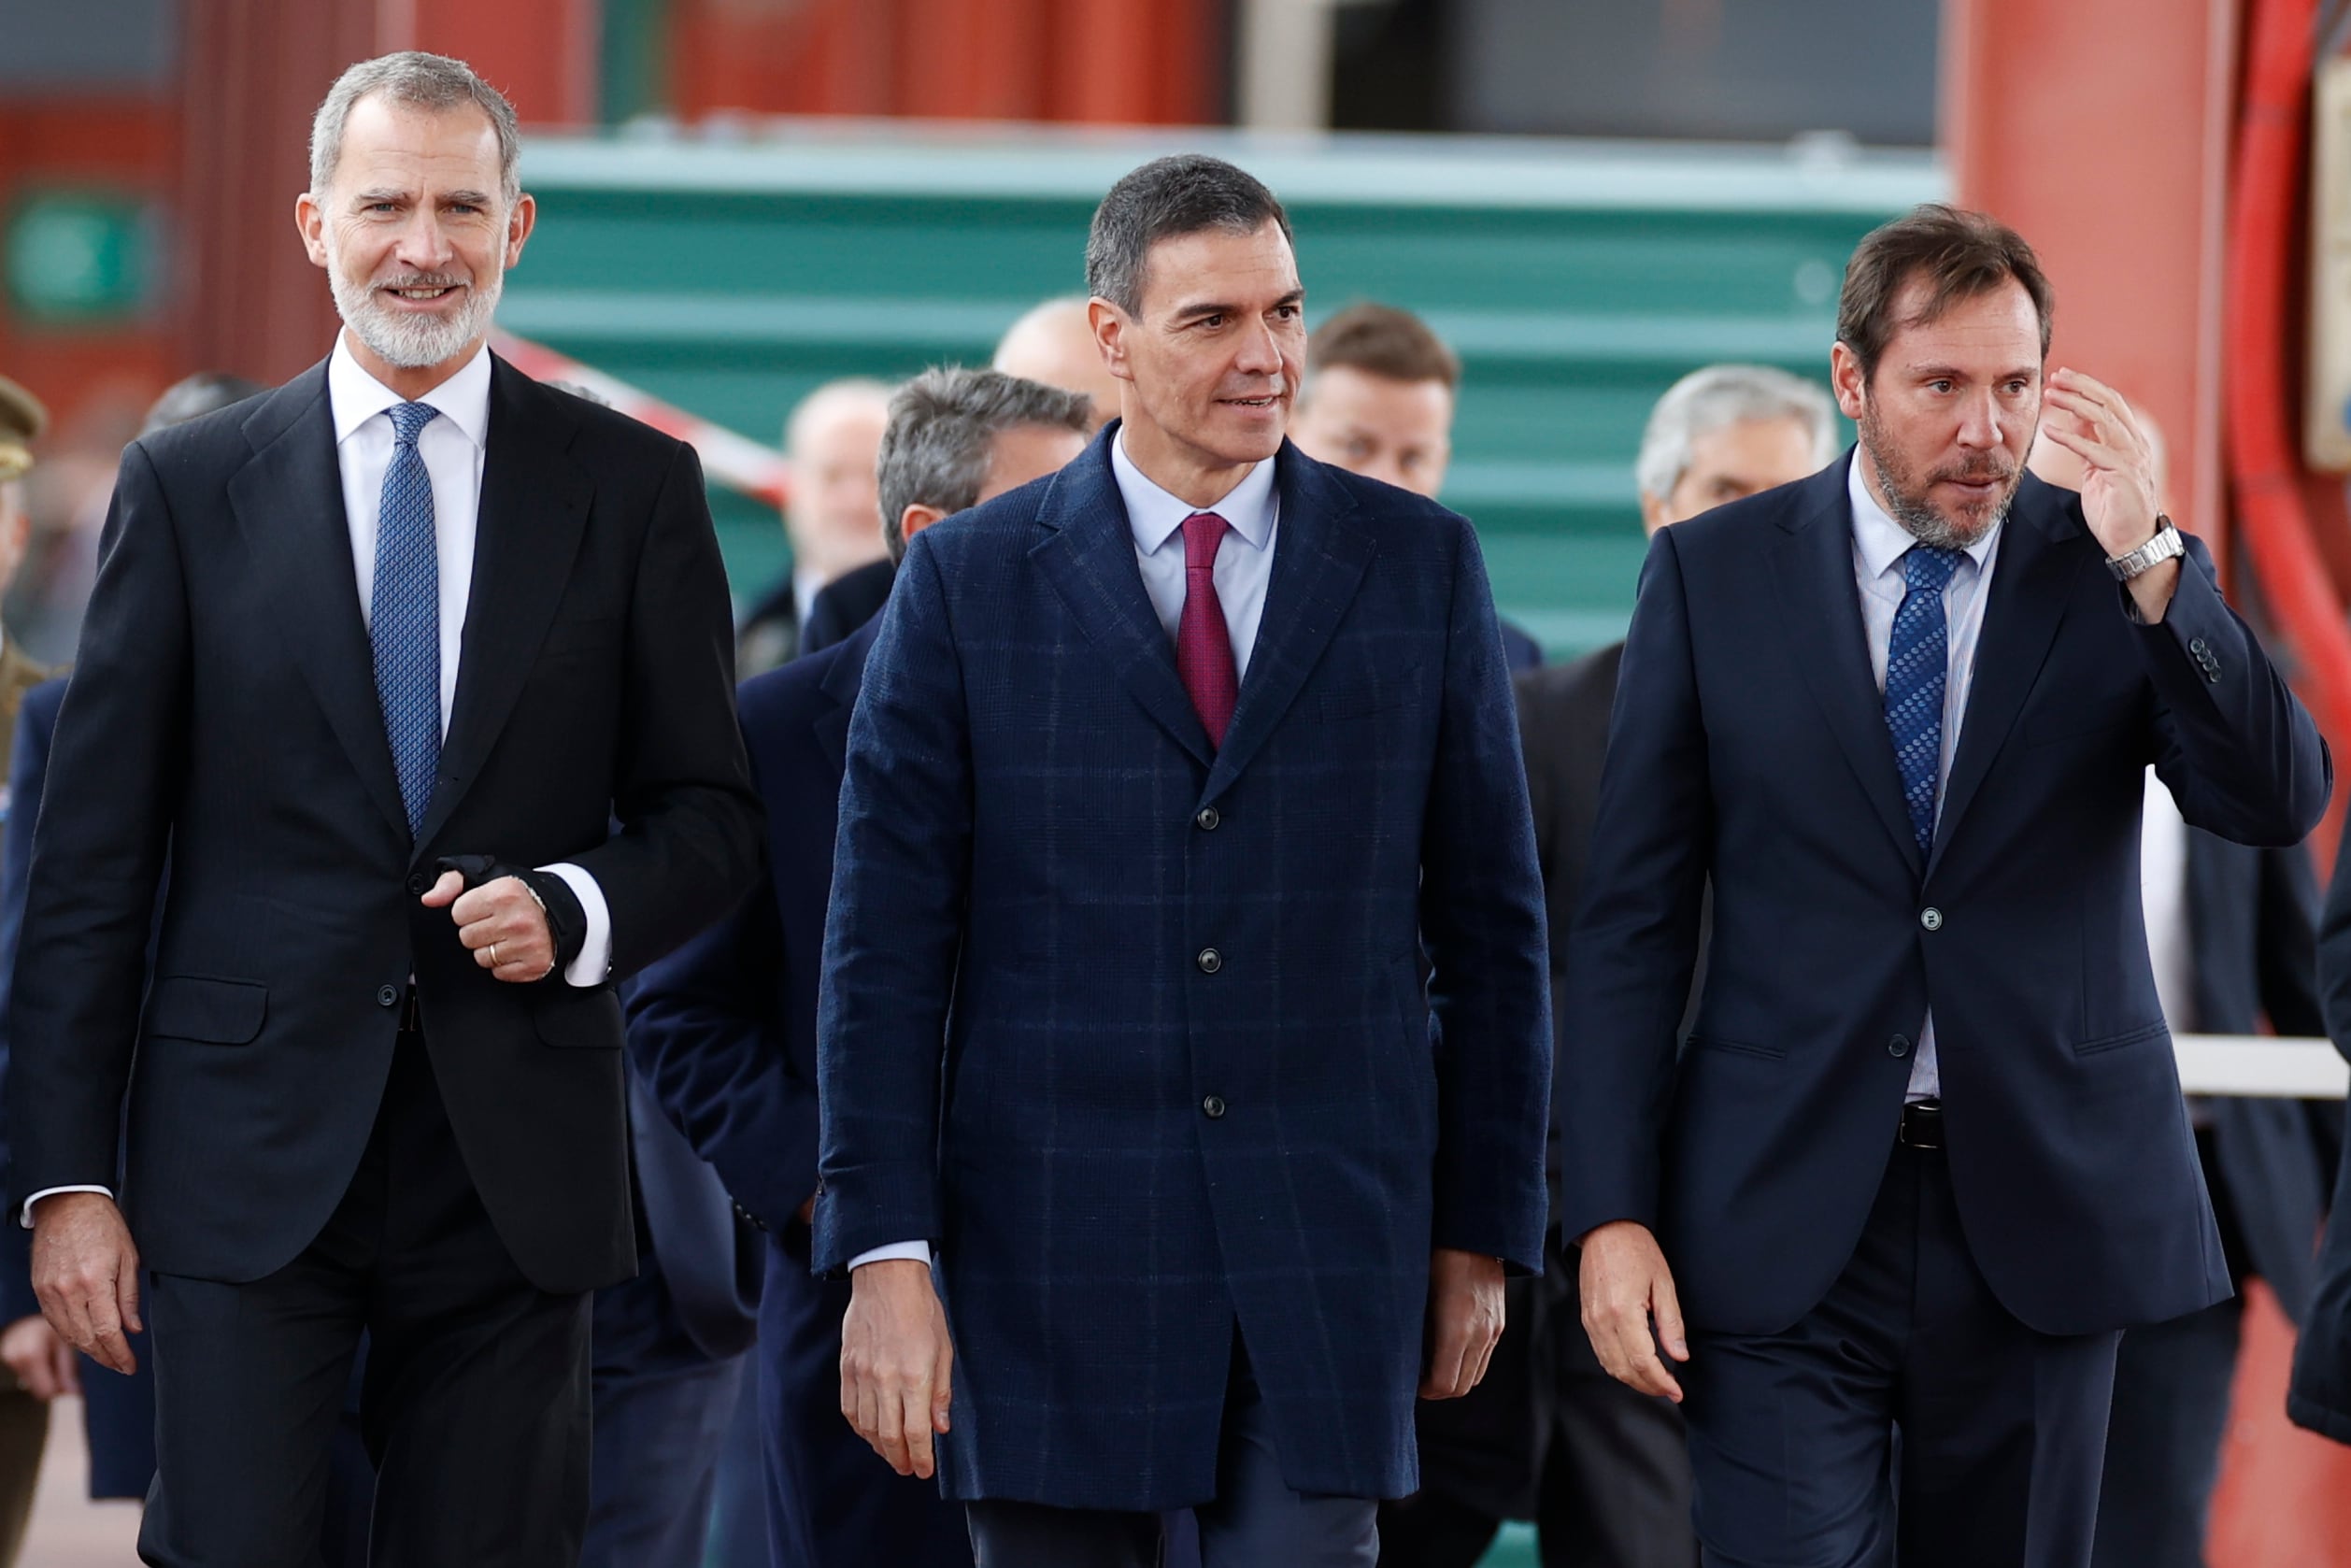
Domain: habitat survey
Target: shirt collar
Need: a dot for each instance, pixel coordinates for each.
(1881, 541)
(354, 396)
(1155, 515)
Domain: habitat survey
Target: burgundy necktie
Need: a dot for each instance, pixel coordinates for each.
(1203, 648)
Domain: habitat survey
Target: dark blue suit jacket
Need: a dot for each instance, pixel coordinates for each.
(1133, 1027)
(1749, 745)
(723, 1033)
(2253, 920)
(2320, 1395)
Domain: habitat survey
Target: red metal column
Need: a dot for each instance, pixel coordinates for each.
(252, 75)
(540, 53)
(2101, 130)
(1115, 62)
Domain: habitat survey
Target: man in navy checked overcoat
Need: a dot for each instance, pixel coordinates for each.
(1185, 991)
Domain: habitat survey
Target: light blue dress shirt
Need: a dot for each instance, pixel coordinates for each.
(1879, 544)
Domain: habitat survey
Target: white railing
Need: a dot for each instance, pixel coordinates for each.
(2261, 1066)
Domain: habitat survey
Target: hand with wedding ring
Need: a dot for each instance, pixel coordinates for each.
(500, 924)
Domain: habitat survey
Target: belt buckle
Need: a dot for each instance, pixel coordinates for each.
(1921, 1125)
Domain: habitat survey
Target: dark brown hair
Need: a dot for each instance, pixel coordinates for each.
(1958, 255)
(1382, 340)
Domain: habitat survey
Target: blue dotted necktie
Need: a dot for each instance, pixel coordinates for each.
(1917, 668)
(405, 614)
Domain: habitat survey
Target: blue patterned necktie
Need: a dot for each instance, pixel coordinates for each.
(1917, 668)
(405, 614)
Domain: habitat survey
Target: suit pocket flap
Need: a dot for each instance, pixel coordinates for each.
(196, 1008)
(569, 1015)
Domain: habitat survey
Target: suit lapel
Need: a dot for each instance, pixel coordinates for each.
(841, 684)
(533, 510)
(1087, 555)
(288, 500)
(2032, 581)
(1319, 558)
(1815, 568)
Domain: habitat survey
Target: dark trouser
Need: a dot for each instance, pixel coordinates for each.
(475, 1405)
(2171, 1388)
(2003, 1430)
(1614, 1487)
(1254, 1521)
(662, 1411)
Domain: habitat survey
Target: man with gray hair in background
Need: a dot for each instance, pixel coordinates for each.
(724, 1029)
(1549, 1435)
(379, 658)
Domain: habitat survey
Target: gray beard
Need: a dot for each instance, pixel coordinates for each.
(1921, 520)
(1931, 527)
(410, 342)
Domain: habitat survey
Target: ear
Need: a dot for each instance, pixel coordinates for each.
(916, 518)
(1852, 386)
(520, 223)
(1111, 326)
(310, 219)
(1652, 513)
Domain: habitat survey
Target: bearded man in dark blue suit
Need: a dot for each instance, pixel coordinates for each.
(1165, 772)
(1925, 1154)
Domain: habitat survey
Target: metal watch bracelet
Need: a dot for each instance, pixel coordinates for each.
(2166, 546)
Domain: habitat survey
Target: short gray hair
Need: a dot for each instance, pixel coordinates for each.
(942, 432)
(1721, 396)
(1165, 199)
(419, 80)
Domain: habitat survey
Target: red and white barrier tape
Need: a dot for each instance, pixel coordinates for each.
(734, 461)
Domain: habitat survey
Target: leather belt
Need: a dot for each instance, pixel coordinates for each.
(1921, 1125)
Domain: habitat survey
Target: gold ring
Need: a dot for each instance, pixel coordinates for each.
(493, 955)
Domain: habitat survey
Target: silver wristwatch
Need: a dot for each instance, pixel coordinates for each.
(2165, 545)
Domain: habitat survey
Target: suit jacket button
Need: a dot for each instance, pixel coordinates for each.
(1932, 918)
(2200, 647)
(386, 996)
(1213, 1107)
(417, 884)
(1898, 1045)
(1210, 960)
(1208, 819)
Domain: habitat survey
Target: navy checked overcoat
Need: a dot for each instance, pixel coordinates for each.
(1134, 1029)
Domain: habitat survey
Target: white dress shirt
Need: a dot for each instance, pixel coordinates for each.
(1245, 562)
(1244, 568)
(451, 448)
(1879, 544)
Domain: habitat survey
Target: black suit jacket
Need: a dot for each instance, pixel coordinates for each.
(1749, 745)
(224, 703)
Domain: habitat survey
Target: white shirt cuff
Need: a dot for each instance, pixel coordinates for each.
(595, 954)
(25, 1218)
(910, 1251)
